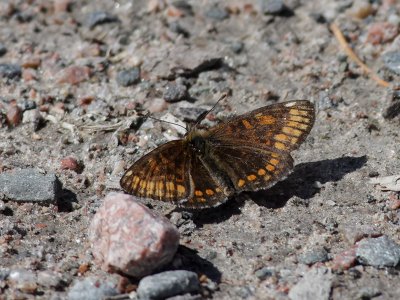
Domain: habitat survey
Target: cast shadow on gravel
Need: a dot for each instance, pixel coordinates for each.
(65, 200)
(301, 183)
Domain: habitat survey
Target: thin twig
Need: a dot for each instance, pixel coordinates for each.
(343, 43)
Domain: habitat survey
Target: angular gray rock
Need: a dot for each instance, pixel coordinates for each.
(29, 185)
(378, 252)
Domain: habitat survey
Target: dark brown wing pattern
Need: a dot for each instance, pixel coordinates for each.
(162, 174)
(254, 148)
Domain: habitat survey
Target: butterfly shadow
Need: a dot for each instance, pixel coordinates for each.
(302, 181)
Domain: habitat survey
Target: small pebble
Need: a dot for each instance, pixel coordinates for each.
(361, 9)
(264, 273)
(237, 47)
(128, 77)
(3, 49)
(91, 288)
(50, 279)
(33, 117)
(168, 284)
(378, 252)
(73, 75)
(128, 237)
(344, 260)
(381, 32)
(315, 284)
(70, 163)
(313, 256)
(10, 71)
(29, 185)
(175, 92)
(14, 115)
(216, 13)
(100, 17)
(272, 7)
(62, 6)
(24, 280)
(392, 61)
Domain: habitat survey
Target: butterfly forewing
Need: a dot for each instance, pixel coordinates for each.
(162, 174)
(280, 127)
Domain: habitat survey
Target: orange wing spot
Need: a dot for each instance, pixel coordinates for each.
(299, 119)
(129, 173)
(247, 124)
(297, 125)
(261, 172)
(202, 200)
(251, 177)
(280, 146)
(218, 190)
(150, 188)
(241, 183)
(281, 137)
(294, 140)
(274, 161)
(181, 189)
(266, 120)
(267, 177)
(159, 188)
(209, 192)
(270, 168)
(135, 182)
(143, 184)
(198, 193)
(273, 154)
(298, 112)
(291, 131)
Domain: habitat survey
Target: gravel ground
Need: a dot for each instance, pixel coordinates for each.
(75, 78)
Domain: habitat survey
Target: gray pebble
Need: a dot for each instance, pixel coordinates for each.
(100, 17)
(91, 289)
(316, 284)
(272, 7)
(237, 47)
(168, 284)
(392, 61)
(313, 256)
(10, 71)
(175, 92)
(378, 252)
(3, 49)
(128, 77)
(29, 185)
(264, 273)
(217, 13)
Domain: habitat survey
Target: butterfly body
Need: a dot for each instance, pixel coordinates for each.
(206, 167)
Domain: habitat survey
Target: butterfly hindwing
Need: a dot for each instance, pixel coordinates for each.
(162, 174)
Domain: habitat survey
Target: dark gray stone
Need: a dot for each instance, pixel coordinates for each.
(29, 185)
(168, 284)
(237, 47)
(392, 61)
(128, 77)
(217, 13)
(313, 256)
(100, 17)
(10, 71)
(3, 49)
(91, 289)
(175, 92)
(273, 7)
(264, 273)
(378, 252)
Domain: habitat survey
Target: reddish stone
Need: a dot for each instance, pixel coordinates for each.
(128, 237)
(32, 63)
(14, 115)
(62, 5)
(383, 32)
(85, 100)
(29, 75)
(345, 260)
(74, 75)
(70, 163)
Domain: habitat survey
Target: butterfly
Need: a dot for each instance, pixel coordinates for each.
(208, 166)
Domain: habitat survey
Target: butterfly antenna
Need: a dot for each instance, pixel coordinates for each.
(147, 116)
(204, 114)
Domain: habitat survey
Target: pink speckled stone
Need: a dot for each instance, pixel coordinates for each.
(128, 237)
